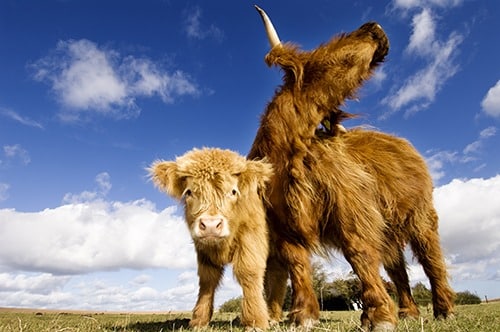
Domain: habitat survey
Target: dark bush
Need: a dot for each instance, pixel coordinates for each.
(232, 305)
(467, 298)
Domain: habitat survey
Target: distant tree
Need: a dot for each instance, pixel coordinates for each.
(421, 294)
(231, 305)
(287, 305)
(467, 298)
(320, 285)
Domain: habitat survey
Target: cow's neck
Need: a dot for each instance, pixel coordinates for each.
(287, 127)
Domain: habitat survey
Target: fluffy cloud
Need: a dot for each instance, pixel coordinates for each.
(419, 90)
(86, 79)
(88, 234)
(469, 224)
(93, 236)
(491, 102)
(103, 187)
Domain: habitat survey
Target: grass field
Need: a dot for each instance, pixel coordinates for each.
(469, 318)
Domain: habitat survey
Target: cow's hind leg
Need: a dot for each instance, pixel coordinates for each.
(426, 246)
(378, 307)
(275, 287)
(395, 265)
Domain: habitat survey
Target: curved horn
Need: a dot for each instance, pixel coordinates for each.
(272, 35)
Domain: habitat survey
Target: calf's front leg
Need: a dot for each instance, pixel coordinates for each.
(249, 267)
(209, 278)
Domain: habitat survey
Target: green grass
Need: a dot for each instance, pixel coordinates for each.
(469, 318)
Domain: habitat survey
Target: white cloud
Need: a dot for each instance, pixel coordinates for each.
(88, 234)
(410, 4)
(146, 79)
(194, 28)
(141, 279)
(42, 283)
(475, 146)
(436, 162)
(86, 79)
(491, 102)
(423, 36)
(470, 225)
(16, 152)
(93, 236)
(419, 90)
(17, 117)
(4, 188)
(103, 187)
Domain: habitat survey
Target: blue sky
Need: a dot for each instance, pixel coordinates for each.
(91, 92)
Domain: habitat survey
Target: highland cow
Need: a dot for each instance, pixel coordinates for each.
(222, 196)
(363, 192)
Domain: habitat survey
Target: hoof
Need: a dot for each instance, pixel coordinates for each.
(305, 326)
(253, 329)
(384, 327)
(444, 315)
(408, 313)
(198, 324)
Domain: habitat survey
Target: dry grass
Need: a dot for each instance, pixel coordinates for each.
(469, 318)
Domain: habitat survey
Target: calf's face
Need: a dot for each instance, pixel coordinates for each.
(210, 204)
(216, 187)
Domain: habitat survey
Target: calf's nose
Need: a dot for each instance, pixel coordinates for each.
(210, 224)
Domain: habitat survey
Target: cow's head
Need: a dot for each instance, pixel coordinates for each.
(322, 79)
(217, 188)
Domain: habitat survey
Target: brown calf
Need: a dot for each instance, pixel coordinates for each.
(224, 211)
(362, 192)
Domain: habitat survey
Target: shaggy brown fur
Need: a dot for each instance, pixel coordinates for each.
(224, 211)
(365, 193)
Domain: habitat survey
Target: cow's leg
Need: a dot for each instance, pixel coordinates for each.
(378, 307)
(249, 265)
(396, 269)
(426, 246)
(275, 287)
(209, 278)
(305, 307)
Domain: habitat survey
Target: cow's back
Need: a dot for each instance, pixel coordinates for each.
(403, 180)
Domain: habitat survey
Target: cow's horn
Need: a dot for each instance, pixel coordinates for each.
(272, 35)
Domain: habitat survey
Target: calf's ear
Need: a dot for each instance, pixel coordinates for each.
(165, 176)
(257, 173)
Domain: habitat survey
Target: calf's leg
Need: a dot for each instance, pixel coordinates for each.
(209, 278)
(249, 265)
